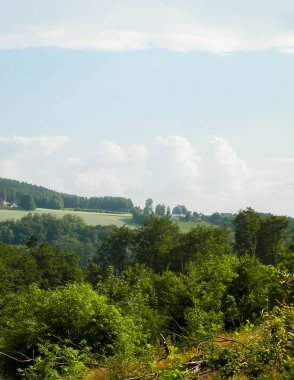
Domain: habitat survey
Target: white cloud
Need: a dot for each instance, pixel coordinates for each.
(100, 182)
(111, 152)
(171, 170)
(73, 161)
(138, 152)
(38, 159)
(230, 170)
(181, 160)
(115, 170)
(285, 160)
(179, 25)
(48, 144)
(15, 140)
(51, 143)
(170, 163)
(9, 168)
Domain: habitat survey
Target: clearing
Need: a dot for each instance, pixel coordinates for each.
(90, 218)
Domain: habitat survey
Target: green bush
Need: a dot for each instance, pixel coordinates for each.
(73, 316)
(56, 361)
(266, 352)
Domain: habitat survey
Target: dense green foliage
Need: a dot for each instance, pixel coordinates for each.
(264, 354)
(261, 236)
(143, 293)
(220, 219)
(41, 265)
(68, 234)
(28, 197)
(73, 315)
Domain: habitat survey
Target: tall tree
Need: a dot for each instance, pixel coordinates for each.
(27, 202)
(271, 239)
(198, 244)
(117, 250)
(148, 209)
(247, 226)
(160, 210)
(180, 210)
(155, 239)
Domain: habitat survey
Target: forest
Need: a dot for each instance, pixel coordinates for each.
(29, 197)
(81, 302)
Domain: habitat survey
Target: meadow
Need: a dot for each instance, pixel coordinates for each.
(90, 218)
(187, 226)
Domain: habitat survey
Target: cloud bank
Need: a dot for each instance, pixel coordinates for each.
(48, 144)
(171, 170)
(178, 25)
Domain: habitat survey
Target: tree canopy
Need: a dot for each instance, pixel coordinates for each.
(142, 300)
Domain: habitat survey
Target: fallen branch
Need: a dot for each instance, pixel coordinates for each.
(194, 364)
(165, 345)
(27, 360)
(194, 367)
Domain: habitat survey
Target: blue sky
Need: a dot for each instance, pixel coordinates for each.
(185, 102)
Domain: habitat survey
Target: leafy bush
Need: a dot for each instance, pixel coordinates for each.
(266, 352)
(71, 316)
(255, 287)
(203, 324)
(55, 361)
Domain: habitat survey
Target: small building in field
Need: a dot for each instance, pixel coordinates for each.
(13, 206)
(8, 205)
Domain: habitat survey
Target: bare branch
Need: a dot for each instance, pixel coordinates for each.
(27, 360)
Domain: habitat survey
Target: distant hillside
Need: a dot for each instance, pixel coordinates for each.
(28, 197)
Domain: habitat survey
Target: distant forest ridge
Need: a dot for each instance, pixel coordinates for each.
(26, 196)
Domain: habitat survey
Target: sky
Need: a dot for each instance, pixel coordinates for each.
(182, 101)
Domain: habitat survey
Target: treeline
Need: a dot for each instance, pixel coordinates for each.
(146, 295)
(29, 197)
(264, 237)
(68, 234)
(108, 204)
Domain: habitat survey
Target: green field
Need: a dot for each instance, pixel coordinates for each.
(187, 226)
(90, 218)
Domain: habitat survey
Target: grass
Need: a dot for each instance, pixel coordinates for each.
(90, 218)
(187, 226)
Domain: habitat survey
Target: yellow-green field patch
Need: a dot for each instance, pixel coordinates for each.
(187, 226)
(90, 218)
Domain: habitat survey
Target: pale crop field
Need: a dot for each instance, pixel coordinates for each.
(187, 226)
(90, 218)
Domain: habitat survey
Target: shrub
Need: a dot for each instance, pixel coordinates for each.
(55, 361)
(72, 316)
(265, 353)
